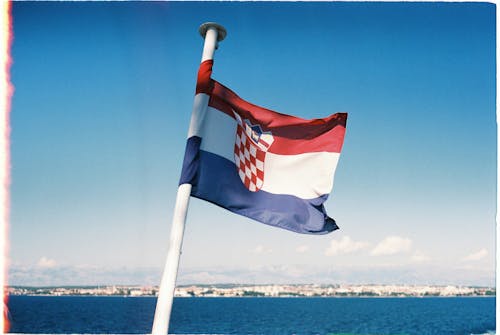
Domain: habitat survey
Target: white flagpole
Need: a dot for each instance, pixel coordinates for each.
(212, 33)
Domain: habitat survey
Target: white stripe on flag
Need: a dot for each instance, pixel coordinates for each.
(306, 176)
(200, 106)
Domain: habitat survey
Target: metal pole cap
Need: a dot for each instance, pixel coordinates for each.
(221, 31)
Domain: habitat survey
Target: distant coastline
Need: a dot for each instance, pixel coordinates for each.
(271, 290)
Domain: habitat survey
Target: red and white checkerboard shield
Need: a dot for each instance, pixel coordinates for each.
(250, 150)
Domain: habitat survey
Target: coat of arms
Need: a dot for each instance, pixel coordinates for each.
(250, 152)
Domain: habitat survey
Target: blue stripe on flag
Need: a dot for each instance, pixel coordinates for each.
(191, 162)
(215, 179)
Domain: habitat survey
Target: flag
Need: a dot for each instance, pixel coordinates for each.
(274, 168)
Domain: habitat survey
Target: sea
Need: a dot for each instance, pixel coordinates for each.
(255, 315)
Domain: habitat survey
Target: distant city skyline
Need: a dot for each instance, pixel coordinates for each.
(266, 290)
(100, 112)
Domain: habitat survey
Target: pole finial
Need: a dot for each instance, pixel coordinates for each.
(221, 31)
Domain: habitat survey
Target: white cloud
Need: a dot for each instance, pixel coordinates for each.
(392, 245)
(260, 249)
(419, 256)
(344, 246)
(302, 248)
(46, 263)
(476, 256)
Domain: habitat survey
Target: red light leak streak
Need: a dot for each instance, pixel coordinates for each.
(6, 91)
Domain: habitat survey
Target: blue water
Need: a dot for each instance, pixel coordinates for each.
(411, 316)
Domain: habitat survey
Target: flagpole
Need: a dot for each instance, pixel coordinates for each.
(212, 33)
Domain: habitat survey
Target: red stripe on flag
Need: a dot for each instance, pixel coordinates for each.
(204, 83)
(292, 135)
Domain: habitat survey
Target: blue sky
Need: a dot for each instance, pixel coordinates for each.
(103, 95)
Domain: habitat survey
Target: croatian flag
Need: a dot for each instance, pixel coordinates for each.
(271, 167)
